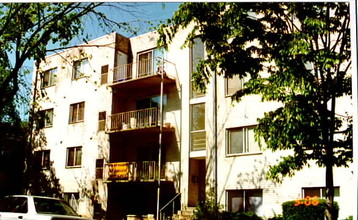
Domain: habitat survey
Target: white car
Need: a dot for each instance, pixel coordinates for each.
(36, 208)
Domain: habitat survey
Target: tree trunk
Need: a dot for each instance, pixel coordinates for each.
(329, 212)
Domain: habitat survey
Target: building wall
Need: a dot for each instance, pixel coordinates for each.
(62, 134)
(245, 171)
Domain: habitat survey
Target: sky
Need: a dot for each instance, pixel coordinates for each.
(139, 15)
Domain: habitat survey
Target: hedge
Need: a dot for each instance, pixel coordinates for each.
(306, 209)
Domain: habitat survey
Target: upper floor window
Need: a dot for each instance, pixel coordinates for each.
(197, 127)
(99, 168)
(151, 102)
(244, 200)
(232, 85)
(77, 111)
(43, 159)
(145, 63)
(48, 78)
(241, 140)
(196, 54)
(104, 74)
(101, 121)
(46, 118)
(74, 157)
(80, 68)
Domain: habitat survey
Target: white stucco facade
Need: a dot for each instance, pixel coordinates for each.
(186, 171)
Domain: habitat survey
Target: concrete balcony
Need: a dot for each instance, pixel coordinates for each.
(133, 171)
(133, 120)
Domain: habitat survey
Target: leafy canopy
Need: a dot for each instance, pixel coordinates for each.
(297, 54)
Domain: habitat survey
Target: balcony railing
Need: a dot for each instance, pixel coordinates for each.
(133, 171)
(143, 68)
(137, 119)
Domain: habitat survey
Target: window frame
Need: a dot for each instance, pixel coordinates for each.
(197, 131)
(194, 93)
(46, 120)
(321, 191)
(43, 158)
(74, 163)
(99, 168)
(102, 120)
(104, 74)
(246, 149)
(145, 68)
(77, 68)
(48, 78)
(245, 198)
(240, 86)
(76, 115)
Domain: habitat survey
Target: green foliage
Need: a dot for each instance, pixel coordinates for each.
(297, 54)
(291, 211)
(294, 53)
(208, 210)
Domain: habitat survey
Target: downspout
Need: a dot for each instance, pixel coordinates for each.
(160, 139)
(215, 152)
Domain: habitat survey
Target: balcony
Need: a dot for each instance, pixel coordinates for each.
(144, 74)
(133, 120)
(133, 171)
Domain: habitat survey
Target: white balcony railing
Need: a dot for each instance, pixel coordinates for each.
(137, 119)
(143, 68)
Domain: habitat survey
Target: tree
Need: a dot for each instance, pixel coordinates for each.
(297, 54)
(25, 32)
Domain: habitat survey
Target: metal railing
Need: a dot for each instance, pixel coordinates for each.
(142, 68)
(133, 171)
(137, 119)
(169, 209)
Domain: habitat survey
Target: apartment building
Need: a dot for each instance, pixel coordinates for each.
(123, 126)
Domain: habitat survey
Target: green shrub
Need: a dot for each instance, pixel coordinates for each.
(209, 211)
(276, 217)
(308, 211)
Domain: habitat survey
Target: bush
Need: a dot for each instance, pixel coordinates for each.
(209, 211)
(278, 217)
(291, 210)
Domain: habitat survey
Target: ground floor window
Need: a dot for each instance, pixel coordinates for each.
(244, 200)
(320, 192)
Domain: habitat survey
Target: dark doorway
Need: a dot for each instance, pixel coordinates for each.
(197, 182)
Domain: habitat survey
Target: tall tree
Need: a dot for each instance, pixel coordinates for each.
(297, 54)
(26, 29)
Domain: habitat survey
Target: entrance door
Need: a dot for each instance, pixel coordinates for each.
(197, 180)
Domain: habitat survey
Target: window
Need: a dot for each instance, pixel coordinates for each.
(151, 102)
(104, 74)
(46, 118)
(196, 54)
(244, 200)
(48, 78)
(197, 127)
(13, 204)
(74, 157)
(318, 191)
(241, 140)
(232, 85)
(77, 111)
(101, 121)
(80, 68)
(145, 64)
(99, 168)
(43, 159)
